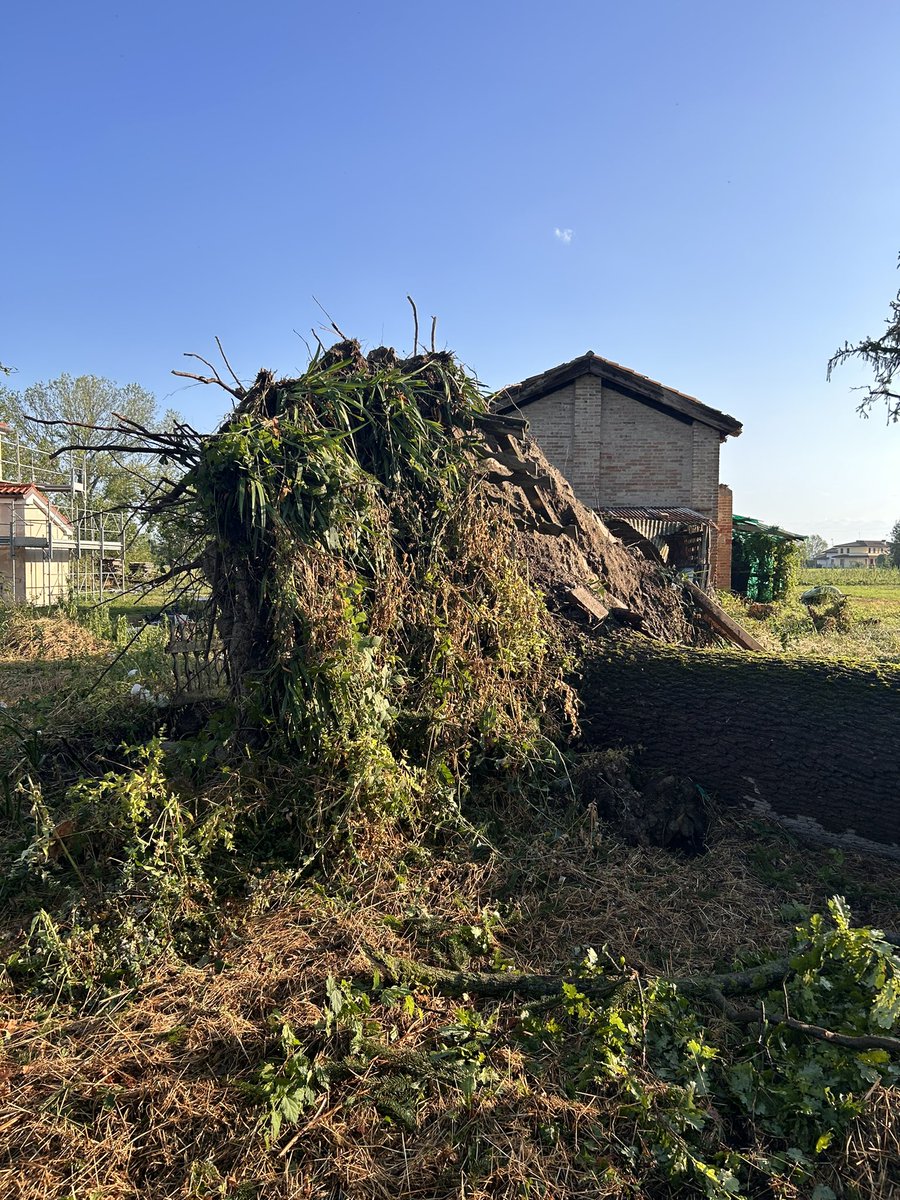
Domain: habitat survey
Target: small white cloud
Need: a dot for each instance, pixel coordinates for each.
(564, 235)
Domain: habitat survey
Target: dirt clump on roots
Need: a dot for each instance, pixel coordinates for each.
(581, 551)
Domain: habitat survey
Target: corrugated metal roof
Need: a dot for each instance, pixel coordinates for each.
(751, 525)
(681, 516)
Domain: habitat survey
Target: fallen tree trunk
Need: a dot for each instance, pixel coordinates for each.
(817, 742)
(498, 985)
(495, 985)
(719, 621)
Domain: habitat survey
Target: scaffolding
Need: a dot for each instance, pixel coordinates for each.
(53, 545)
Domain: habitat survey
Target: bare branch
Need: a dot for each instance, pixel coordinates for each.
(339, 332)
(415, 326)
(241, 387)
(759, 1015)
(206, 379)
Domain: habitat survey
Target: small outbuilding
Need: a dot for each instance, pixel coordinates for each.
(761, 559)
(36, 546)
(639, 452)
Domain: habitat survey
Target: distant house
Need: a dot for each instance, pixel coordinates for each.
(861, 553)
(637, 452)
(36, 543)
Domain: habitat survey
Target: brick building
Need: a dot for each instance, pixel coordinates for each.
(635, 450)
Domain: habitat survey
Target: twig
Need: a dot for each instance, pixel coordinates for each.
(241, 387)
(486, 983)
(501, 983)
(759, 1015)
(433, 332)
(339, 332)
(415, 326)
(205, 379)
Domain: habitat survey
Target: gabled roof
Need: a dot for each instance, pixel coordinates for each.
(638, 387)
(30, 491)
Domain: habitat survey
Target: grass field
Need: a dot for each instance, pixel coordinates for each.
(877, 578)
(873, 632)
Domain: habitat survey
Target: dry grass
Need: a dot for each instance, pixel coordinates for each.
(146, 1096)
(25, 637)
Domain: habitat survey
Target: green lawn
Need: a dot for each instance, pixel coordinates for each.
(874, 633)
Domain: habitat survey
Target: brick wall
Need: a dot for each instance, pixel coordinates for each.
(705, 470)
(551, 422)
(646, 456)
(587, 439)
(721, 574)
(615, 450)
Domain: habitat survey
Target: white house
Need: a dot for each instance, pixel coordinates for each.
(861, 553)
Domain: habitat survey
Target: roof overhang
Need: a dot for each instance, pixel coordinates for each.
(671, 516)
(751, 525)
(637, 387)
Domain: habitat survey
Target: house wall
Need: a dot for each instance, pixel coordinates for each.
(551, 424)
(33, 575)
(45, 582)
(854, 559)
(616, 451)
(12, 582)
(646, 456)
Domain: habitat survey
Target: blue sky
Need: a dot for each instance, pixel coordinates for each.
(727, 174)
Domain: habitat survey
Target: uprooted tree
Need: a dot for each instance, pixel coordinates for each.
(405, 593)
(401, 587)
(380, 551)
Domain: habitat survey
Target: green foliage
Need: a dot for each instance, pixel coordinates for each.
(768, 562)
(93, 404)
(813, 546)
(894, 539)
(650, 1051)
(377, 630)
(693, 1093)
(144, 850)
(290, 1085)
(882, 354)
(855, 577)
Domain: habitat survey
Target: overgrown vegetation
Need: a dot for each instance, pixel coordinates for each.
(346, 931)
(862, 625)
(765, 560)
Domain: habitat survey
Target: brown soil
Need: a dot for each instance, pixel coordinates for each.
(588, 555)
